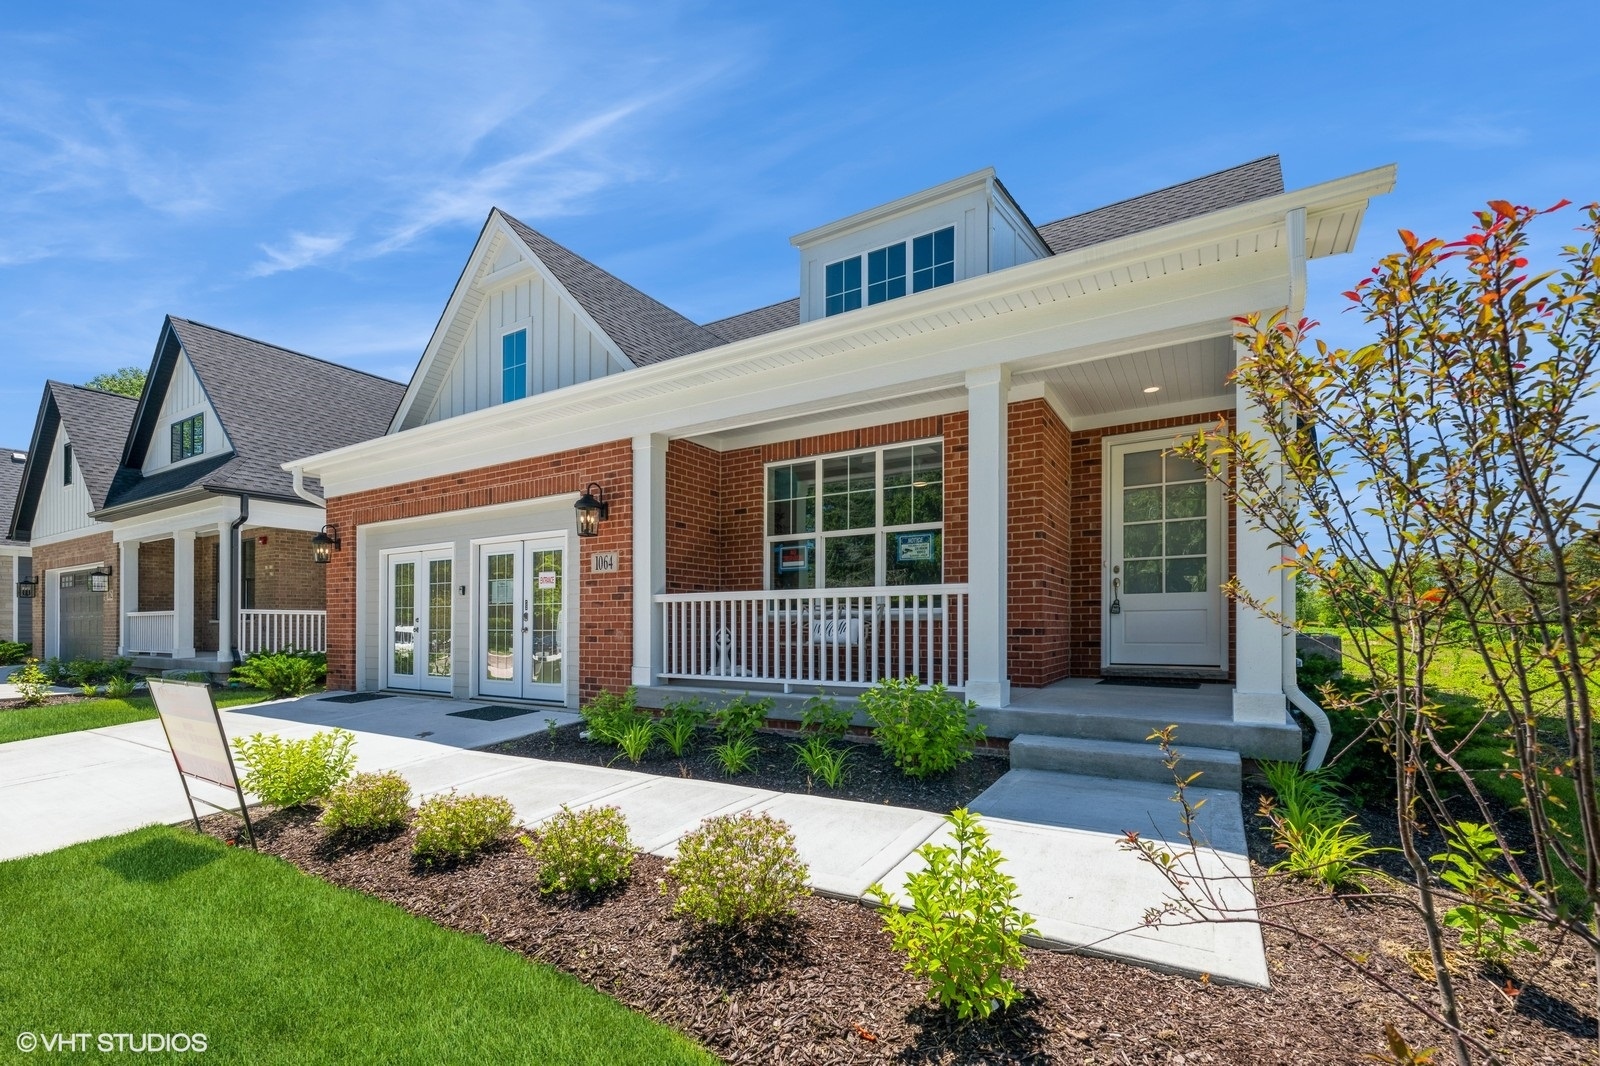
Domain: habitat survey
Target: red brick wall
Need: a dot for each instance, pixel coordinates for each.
(206, 562)
(287, 577)
(605, 611)
(694, 518)
(81, 551)
(155, 575)
(1037, 545)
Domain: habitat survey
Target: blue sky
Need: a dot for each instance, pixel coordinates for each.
(314, 174)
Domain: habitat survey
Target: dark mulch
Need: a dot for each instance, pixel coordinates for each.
(869, 778)
(828, 989)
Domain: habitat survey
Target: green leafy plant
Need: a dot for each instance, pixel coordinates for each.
(13, 652)
(823, 716)
(85, 673)
(582, 851)
(678, 723)
(925, 731)
(33, 685)
(822, 760)
(367, 805)
(636, 739)
(1490, 917)
(742, 717)
(294, 773)
(452, 828)
(736, 870)
(737, 755)
(963, 928)
(1309, 824)
(89, 689)
(283, 674)
(56, 671)
(610, 713)
(121, 687)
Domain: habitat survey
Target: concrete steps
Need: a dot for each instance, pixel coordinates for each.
(1254, 741)
(1124, 760)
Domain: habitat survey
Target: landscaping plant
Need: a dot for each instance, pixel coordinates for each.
(283, 674)
(12, 652)
(33, 685)
(1319, 838)
(736, 870)
(121, 687)
(678, 723)
(452, 828)
(736, 725)
(368, 804)
(294, 773)
(1491, 911)
(636, 739)
(963, 928)
(822, 760)
(737, 755)
(609, 714)
(925, 731)
(582, 851)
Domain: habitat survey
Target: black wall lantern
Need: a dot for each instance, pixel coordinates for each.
(324, 544)
(27, 588)
(100, 580)
(592, 510)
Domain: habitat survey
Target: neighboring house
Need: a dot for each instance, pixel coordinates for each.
(16, 559)
(943, 459)
(207, 538)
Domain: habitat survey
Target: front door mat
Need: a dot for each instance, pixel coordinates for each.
(1148, 682)
(495, 712)
(356, 697)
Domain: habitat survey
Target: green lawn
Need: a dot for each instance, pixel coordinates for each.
(164, 931)
(25, 723)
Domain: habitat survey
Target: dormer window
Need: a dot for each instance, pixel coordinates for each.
(514, 366)
(933, 263)
(189, 437)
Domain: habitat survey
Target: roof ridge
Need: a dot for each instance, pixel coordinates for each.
(1162, 189)
(750, 311)
(287, 351)
(91, 388)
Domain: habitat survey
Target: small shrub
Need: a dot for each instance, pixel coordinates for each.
(56, 671)
(636, 739)
(582, 851)
(121, 687)
(742, 717)
(89, 689)
(737, 755)
(1487, 919)
(293, 773)
(1316, 670)
(85, 673)
(1310, 827)
(368, 805)
(925, 731)
(282, 674)
(823, 716)
(33, 685)
(13, 652)
(610, 713)
(736, 870)
(452, 828)
(822, 760)
(964, 927)
(678, 724)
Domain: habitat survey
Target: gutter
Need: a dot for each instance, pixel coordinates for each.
(297, 475)
(234, 574)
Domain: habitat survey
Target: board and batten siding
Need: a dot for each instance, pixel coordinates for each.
(562, 350)
(185, 398)
(62, 508)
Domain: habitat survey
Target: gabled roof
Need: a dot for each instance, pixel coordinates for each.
(776, 316)
(10, 486)
(274, 404)
(97, 425)
(1254, 180)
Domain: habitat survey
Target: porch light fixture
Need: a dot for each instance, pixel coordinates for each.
(324, 544)
(100, 579)
(27, 588)
(592, 510)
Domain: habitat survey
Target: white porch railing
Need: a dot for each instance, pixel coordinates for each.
(828, 637)
(149, 633)
(282, 630)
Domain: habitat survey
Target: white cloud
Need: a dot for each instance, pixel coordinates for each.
(303, 250)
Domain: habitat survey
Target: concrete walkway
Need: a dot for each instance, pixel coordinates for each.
(1058, 832)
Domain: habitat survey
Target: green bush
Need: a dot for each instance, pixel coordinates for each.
(1309, 825)
(736, 755)
(120, 688)
(637, 739)
(736, 870)
(925, 731)
(283, 673)
(677, 725)
(293, 773)
(1490, 915)
(32, 683)
(368, 804)
(1316, 670)
(964, 928)
(823, 716)
(12, 652)
(452, 828)
(582, 851)
(610, 714)
(822, 760)
(56, 671)
(742, 717)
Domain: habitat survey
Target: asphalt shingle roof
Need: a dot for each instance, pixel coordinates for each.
(10, 487)
(274, 404)
(97, 425)
(767, 319)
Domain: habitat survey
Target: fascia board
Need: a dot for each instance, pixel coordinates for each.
(872, 215)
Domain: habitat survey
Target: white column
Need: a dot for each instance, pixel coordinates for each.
(1258, 675)
(225, 615)
(183, 595)
(649, 552)
(128, 586)
(988, 392)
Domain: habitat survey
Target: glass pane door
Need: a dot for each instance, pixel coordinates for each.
(546, 613)
(402, 622)
(502, 619)
(441, 619)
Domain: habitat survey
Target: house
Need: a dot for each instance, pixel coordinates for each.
(16, 560)
(944, 458)
(199, 538)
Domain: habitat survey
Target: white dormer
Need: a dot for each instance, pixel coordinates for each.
(64, 502)
(187, 428)
(951, 232)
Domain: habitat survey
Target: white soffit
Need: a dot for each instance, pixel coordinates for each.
(1195, 370)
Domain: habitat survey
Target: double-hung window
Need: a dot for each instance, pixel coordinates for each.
(859, 519)
(932, 260)
(189, 437)
(514, 366)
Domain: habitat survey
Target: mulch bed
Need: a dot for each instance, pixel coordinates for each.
(828, 989)
(870, 777)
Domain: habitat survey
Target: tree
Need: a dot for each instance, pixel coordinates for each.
(128, 380)
(1437, 485)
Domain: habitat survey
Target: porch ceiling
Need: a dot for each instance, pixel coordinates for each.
(1187, 373)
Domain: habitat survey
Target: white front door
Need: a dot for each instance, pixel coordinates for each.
(421, 616)
(522, 621)
(1165, 536)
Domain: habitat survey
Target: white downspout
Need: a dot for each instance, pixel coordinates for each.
(298, 483)
(1295, 234)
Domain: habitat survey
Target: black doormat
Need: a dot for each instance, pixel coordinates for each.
(356, 697)
(495, 712)
(1147, 682)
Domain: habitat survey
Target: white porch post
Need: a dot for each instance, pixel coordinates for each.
(183, 595)
(649, 552)
(988, 393)
(128, 585)
(1258, 694)
(225, 615)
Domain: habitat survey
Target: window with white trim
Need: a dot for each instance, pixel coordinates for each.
(932, 260)
(514, 366)
(859, 519)
(188, 437)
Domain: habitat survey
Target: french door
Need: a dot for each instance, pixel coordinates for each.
(421, 614)
(523, 591)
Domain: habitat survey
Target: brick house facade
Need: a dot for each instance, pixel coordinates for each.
(78, 553)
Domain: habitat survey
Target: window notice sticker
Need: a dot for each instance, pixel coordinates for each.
(547, 579)
(913, 547)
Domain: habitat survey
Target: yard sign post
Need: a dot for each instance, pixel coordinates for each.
(200, 750)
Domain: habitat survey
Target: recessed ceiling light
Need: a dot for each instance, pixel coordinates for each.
(1152, 388)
